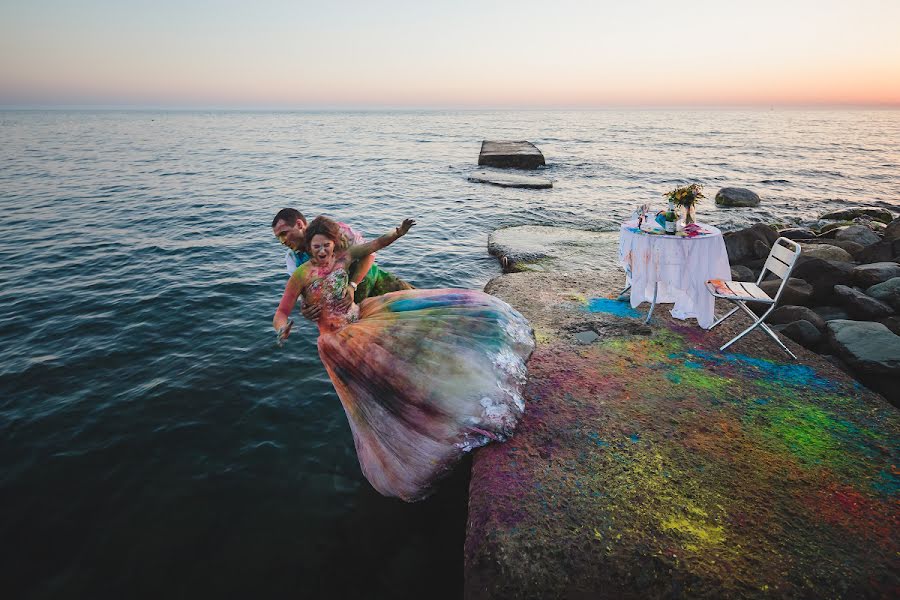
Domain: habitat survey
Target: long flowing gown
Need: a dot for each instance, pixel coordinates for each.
(424, 376)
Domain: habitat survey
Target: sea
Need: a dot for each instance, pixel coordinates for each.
(156, 442)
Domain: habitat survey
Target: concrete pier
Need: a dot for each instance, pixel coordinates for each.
(510, 154)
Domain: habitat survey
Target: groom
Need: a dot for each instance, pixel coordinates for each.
(367, 279)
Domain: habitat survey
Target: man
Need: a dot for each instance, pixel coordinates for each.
(367, 279)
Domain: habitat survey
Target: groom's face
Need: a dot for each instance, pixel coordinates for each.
(290, 234)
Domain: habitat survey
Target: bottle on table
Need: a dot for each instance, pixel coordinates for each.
(671, 218)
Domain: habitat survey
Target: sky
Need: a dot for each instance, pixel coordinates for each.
(462, 53)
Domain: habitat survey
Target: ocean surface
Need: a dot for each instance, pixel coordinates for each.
(154, 440)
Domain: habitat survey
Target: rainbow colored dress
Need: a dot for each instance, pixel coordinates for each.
(424, 376)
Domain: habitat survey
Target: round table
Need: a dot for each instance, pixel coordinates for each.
(674, 269)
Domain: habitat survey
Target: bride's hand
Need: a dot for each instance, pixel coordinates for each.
(405, 226)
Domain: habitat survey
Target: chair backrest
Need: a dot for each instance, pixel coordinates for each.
(781, 261)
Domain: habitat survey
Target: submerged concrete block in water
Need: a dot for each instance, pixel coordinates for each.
(516, 181)
(509, 154)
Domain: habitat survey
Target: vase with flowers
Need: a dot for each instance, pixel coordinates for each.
(686, 197)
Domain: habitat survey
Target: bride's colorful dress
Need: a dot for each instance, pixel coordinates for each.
(424, 376)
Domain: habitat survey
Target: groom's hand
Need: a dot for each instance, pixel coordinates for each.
(310, 311)
(347, 299)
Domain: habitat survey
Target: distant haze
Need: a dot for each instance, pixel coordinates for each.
(523, 53)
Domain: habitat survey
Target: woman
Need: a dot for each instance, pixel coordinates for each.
(424, 375)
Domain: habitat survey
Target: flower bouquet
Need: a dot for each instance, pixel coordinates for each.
(686, 197)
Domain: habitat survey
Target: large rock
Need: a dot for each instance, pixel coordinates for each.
(859, 305)
(834, 227)
(826, 252)
(823, 275)
(848, 214)
(866, 347)
(868, 275)
(850, 247)
(887, 291)
(830, 313)
(512, 181)
(892, 323)
(892, 231)
(796, 292)
(742, 273)
(857, 233)
(804, 333)
(553, 249)
(734, 197)
(741, 245)
(798, 233)
(789, 314)
(507, 154)
(884, 251)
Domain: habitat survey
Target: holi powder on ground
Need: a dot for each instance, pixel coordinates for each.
(612, 307)
(702, 471)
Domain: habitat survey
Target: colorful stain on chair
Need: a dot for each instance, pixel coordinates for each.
(711, 474)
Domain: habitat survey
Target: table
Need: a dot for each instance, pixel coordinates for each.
(673, 269)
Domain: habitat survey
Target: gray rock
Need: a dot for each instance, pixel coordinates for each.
(883, 251)
(789, 314)
(553, 249)
(586, 337)
(892, 323)
(892, 231)
(804, 333)
(796, 292)
(741, 273)
(859, 305)
(848, 214)
(826, 252)
(507, 154)
(512, 181)
(829, 313)
(733, 196)
(741, 245)
(823, 275)
(859, 234)
(866, 347)
(887, 291)
(834, 227)
(850, 247)
(798, 233)
(866, 276)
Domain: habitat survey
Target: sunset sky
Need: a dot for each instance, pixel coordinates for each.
(464, 53)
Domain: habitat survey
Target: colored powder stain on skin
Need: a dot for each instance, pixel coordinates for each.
(612, 307)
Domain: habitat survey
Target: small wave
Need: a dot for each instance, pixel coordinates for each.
(769, 181)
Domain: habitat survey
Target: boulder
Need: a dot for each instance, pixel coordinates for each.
(826, 252)
(857, 233)
(866, 347)
(892, 323)
(735, 197)
(798, 233)
(850, 247)
(859, 305)
(796, 292)
(741, 273)
(804, 333)
(507, 154)
(848, 214)
(823, 275)
(789, 314)
(741, 245)
(887, 291)
(892, 231)
(834, 226)
(866, 276)
(829, 313)
(883, 251)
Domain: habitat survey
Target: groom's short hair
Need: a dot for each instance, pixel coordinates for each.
(289, 216)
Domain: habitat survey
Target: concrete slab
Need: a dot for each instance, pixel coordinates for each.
(513, 181)
(510, 154)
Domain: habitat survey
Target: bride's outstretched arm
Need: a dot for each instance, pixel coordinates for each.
(361, 250)
(291, 292)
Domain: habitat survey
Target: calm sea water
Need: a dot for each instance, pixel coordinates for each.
(153, 439)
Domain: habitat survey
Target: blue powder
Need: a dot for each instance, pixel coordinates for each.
(789, 374)
(612, 307)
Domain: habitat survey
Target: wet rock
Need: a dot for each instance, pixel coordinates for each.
(866, 276)
(834, 227)
(734, 197)
(823, 275)
(826, 252)
(508, 154)
(859, 305)
(741, 273)
(887, 291)
(892, 231)
(804, 333)
(829, 313)
(741, 245)
(866, 347)
(512, 181)
(796, 292)
(798, 233)
(848, 214)
(859, 234)
(789, 314)
(553, 249)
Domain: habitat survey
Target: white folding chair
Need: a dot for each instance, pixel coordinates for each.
(780, 263)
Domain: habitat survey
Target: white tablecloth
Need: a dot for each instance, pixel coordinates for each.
(680, 265)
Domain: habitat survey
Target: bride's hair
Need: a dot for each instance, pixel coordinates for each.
(330, 229)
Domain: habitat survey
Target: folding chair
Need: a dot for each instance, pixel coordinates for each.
(780, 263)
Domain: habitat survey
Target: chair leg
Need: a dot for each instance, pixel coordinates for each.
(653, 304)
(723, 317)
(758, 322)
